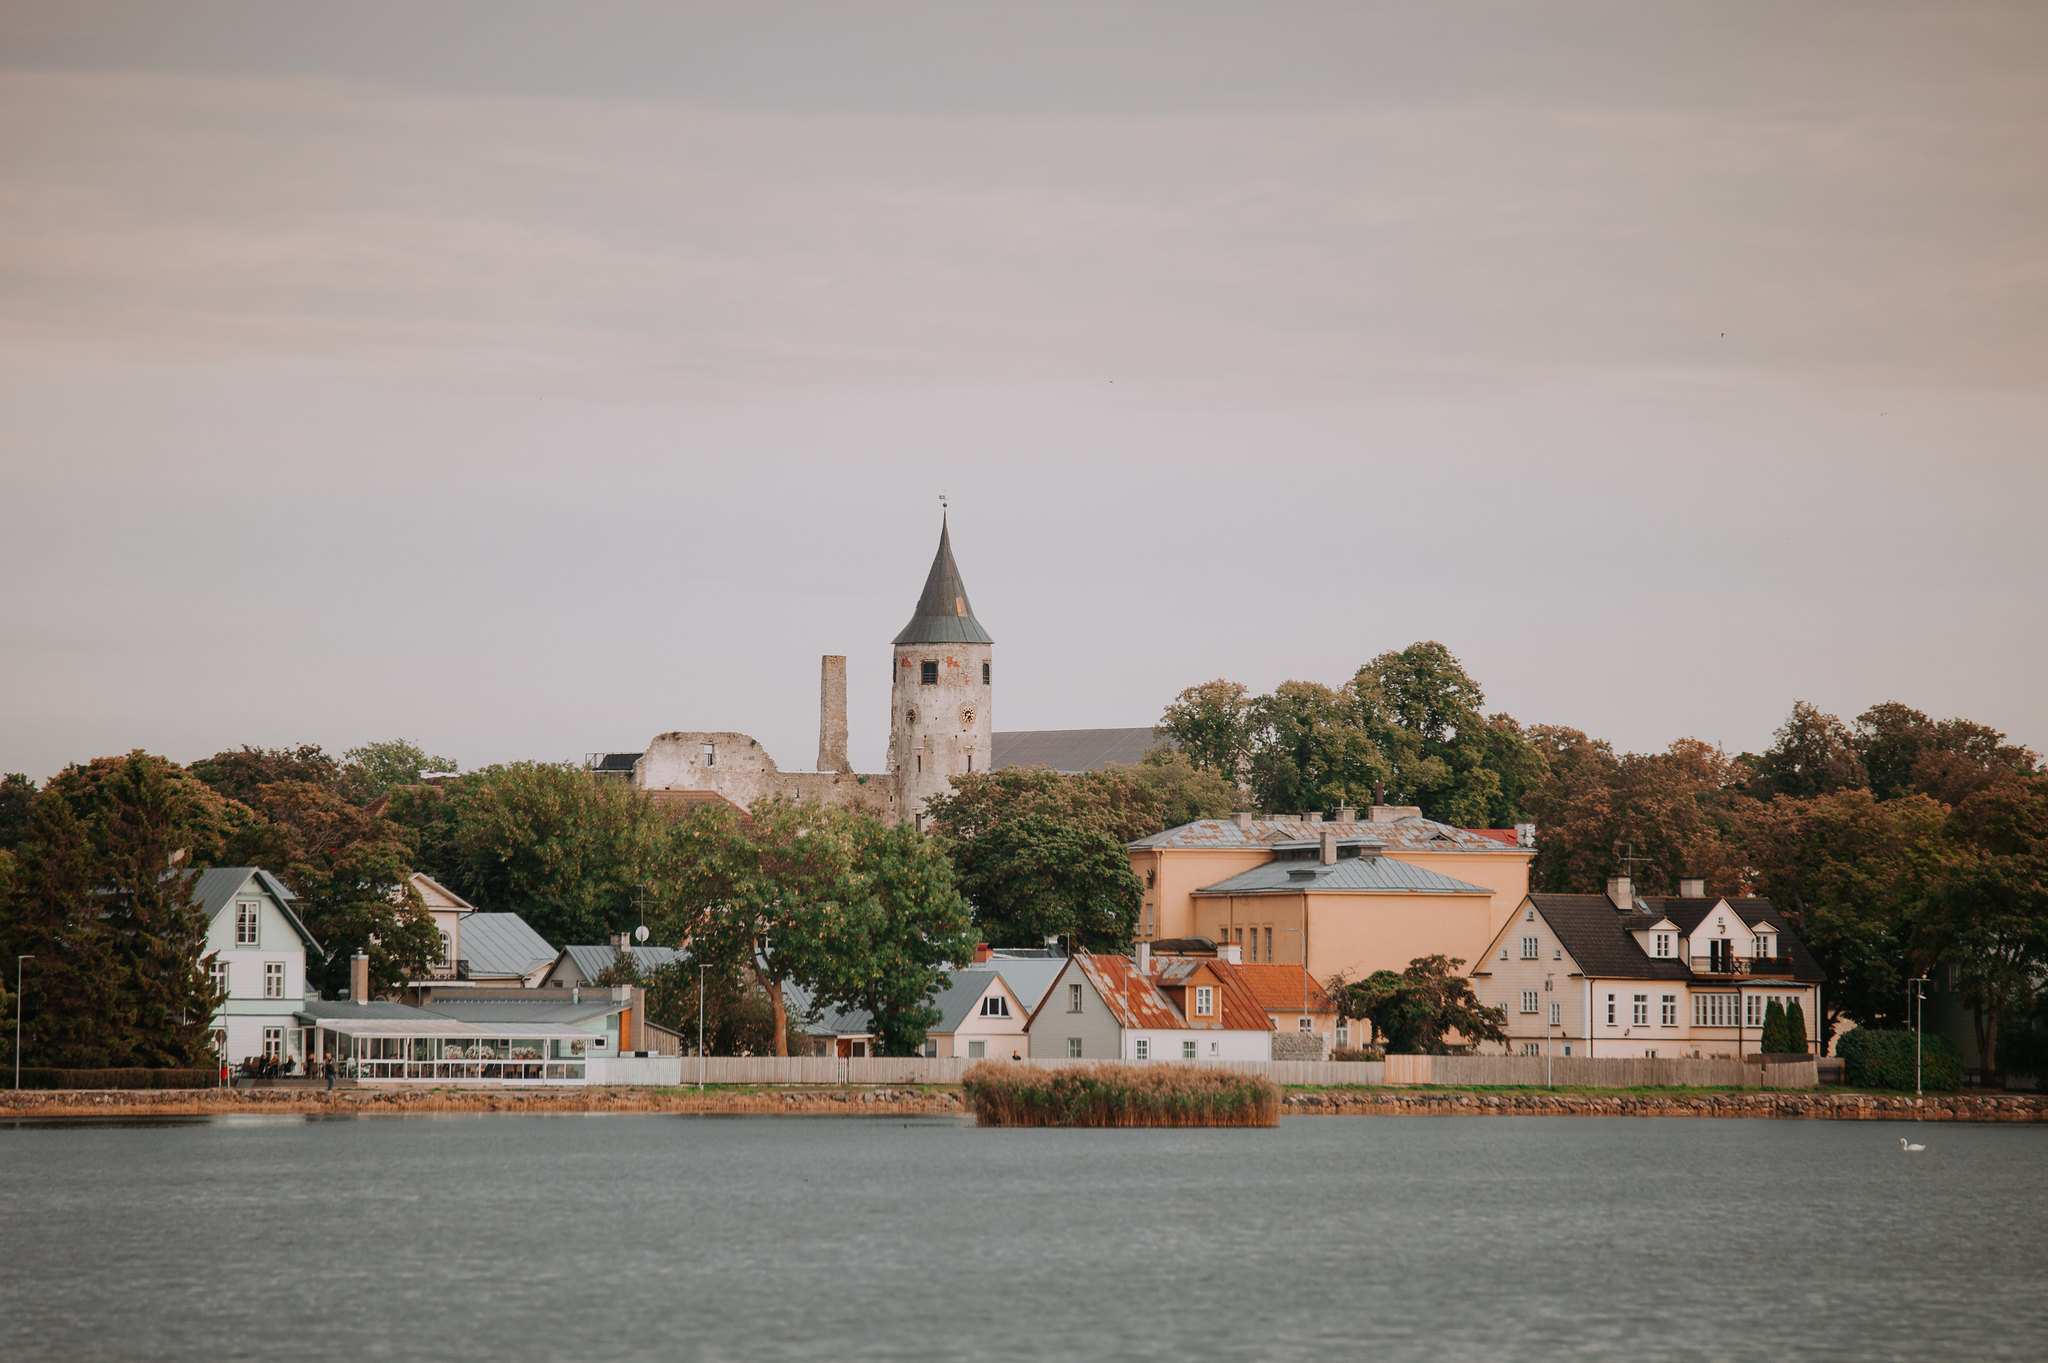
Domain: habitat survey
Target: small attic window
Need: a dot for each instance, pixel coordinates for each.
(1529, 917)
(710, 755)
(928, 672)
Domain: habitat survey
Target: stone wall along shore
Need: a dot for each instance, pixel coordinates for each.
(1989, 1107)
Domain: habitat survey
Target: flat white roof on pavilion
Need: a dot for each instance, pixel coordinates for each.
(448, 1027)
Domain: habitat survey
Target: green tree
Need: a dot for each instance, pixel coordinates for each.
(53, 914)
(351, 872)
(1212, 724)
(890, 944)
(1035, 877)
(553, 844)
(1186, 792)
(1312, 749)
(1813, 754)
(17, 793)
(1121, 803)
(1421, 1008)
(1773, 1041)
(738, 1018)
(1989, 918)
(239, 773)
(1795, 1028)
(1905, 752)
(380, 766)
(1854, 876)
(1673, 813)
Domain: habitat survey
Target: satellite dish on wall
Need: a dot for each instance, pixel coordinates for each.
(640, 933)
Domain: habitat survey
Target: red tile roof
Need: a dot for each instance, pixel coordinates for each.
(1506, 835)
(1278, 988)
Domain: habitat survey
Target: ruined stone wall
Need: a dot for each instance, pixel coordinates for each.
(942, 730)
(741, 770)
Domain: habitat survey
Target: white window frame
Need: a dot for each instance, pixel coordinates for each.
(1187, 1050)
(1305, 1024)
(1531, 1000)
(248, 923)
(1531, 1048)
(1141, 1049)
(1639, 1011)
(977, 1050)
(1532, 948)
(1556, 1013)
(273, 1035)
(1610, 1010)
(1663, 944)
(223, 978)
(273, 979)
(995, 1006)
(1205, 1000)
(1073, 1048)
(1669, 1011)
(1073, 998)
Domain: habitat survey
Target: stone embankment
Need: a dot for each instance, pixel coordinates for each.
(1989, 1107)
(366, 1102)
(369, 1102)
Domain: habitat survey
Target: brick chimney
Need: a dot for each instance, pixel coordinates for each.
(1346, 814)
(832, 713)
(359, 978)
(1231, 952)
(1329, 847)
(1243, 819)
(1621, 893)
(1692, 887)
(1144, 958)
(982, 952)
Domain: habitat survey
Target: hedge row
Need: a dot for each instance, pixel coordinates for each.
(1884, 1060)
(41, 1078)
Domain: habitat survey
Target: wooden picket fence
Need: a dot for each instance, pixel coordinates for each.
(821, 1070)
(1577, 1071)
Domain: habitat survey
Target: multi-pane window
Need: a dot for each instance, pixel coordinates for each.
(273, 979)
(1663, 944)
(446, 946)
(928, 672)
(1343, 1032)
(1205, 1000)
(273, 1043)
(1073, 998)
(1753, 1010)
(1187, 1050)
(1557, 1015)
(1610, 1010)
(710, 755)
(1142, 1048)
(1529, 1000)
(1669, 1016)
(245, 925)
(995, 1006)
(1073, 1048)
(220, 978)
(1713, 1010)
(1531, 1048)
(1306, 1024)
(1531, 947)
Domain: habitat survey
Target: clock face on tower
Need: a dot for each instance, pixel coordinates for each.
(967, 716)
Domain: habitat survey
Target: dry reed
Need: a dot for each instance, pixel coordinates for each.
(1119, 1095)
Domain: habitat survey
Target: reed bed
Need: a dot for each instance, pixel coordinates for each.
(1119, 1095)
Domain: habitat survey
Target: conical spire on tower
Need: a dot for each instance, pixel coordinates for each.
(943, 615)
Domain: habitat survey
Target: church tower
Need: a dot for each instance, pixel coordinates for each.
(940, 726)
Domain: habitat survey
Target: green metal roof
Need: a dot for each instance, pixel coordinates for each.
(943, 615)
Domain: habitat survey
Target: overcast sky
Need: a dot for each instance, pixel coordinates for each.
(527, 380)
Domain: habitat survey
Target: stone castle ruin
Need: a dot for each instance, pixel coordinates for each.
(941, 724)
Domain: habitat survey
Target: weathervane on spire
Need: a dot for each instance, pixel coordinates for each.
(942, 501)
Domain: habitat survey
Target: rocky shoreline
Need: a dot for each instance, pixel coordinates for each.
(895, 1102)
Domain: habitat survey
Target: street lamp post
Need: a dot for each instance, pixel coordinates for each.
(17, 1017)
(1547, 1081)
(700, 1026)
(1919, 1003)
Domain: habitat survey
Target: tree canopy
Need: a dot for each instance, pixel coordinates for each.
(1419, 1010)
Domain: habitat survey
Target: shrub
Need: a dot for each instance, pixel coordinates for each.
(1795, 1028)
(47, 1078)
(1773, 1041)
(1884, 1060)
(1119, 1095)
(1358, 1053)
(2022, 1048)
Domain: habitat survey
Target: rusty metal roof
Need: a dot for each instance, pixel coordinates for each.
(1414, 834)
(943, 615)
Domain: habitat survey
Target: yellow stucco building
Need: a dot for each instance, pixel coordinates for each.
(1347, 895)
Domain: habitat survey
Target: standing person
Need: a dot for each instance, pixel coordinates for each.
(330, 1073)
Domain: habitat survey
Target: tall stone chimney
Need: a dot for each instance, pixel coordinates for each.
(359, 978)
(1329, 847)
(832, 714)
(1621, 892)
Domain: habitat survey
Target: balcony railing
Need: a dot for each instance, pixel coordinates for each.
(449, 970)
(1742, 965)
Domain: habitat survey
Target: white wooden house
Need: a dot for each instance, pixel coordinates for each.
(256, 947)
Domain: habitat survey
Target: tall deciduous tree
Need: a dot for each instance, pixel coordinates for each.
(1671, 813)
(379, 767)
(1120, 803)
(1034, 878)
(1990, 917)
(1212, 724)
(553, 844)
(1419, 1009)
(1813, 754)
(1905, 752)
(17, 793)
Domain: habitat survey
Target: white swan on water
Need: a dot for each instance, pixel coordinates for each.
(1904, 1144)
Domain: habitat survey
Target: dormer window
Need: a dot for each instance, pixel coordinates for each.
(1663, 944)
(1205, 1001)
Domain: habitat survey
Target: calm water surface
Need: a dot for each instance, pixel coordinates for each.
(650, 1237)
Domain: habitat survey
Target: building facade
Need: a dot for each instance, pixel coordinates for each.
(256, 948)
(1620, 975)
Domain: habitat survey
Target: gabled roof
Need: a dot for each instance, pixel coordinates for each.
(1598, 938)
(499, 945)
(216, 887)
(591, 961)
(424, 883)
(943, 615)
(1074, 750)
(1030, 976)
(1237, 1007)
(1347, 875)
(1278, 988)
(1141, 1002)
(957, 1001)
(1689, 913)
(1411, 834)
